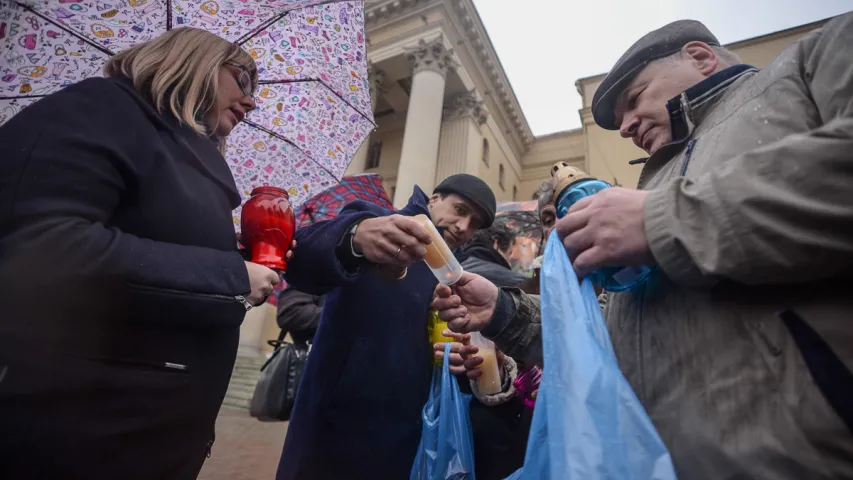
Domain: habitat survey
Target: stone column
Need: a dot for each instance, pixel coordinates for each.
(461, 141)
(254, 328)
(430, 63)
(377, 88)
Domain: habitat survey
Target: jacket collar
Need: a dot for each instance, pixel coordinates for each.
(688, 109)
(203, 152)
(418, 203)
(484, 252)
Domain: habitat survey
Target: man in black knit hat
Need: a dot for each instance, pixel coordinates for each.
(358, 410)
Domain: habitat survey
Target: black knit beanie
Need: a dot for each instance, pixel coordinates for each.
(474, 190)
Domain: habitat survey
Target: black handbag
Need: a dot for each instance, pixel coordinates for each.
(275, 392)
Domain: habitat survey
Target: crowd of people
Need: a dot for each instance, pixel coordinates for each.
(115, 199)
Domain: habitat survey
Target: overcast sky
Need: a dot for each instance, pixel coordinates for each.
(545, 45)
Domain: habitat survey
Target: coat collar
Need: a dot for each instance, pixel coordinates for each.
(418, 203)
(688, 109)
(203, 152)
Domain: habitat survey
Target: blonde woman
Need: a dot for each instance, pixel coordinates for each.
(121, 288)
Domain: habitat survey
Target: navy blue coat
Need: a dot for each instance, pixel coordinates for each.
(357, 414)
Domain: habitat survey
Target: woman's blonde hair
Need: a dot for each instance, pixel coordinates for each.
(179, 72)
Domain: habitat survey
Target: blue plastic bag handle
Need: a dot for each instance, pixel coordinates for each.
(446, 451)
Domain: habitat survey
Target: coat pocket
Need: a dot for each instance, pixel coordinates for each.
(178, 307)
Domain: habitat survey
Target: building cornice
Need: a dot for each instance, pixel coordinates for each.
(484, 51)
(470, 25)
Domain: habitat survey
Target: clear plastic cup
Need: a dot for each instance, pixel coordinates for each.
(489, 382)
(438, 256)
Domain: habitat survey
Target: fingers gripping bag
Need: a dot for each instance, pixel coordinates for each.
(588, 424)
(446, 451)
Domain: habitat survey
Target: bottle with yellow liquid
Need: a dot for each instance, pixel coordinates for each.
(438, 256)
(435, 326)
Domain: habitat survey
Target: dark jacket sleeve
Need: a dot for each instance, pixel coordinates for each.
(67, 162)
(316, 266)
(298, 311)
(516, 326)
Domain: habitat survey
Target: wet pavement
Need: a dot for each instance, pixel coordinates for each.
(245, 448)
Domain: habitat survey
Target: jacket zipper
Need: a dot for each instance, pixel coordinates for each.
(239, 298)
(687, 155)
(209, 449)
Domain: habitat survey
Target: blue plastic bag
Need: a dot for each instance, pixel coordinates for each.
(588, 424)
(446, 451)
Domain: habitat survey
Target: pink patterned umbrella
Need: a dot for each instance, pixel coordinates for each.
(314, 106)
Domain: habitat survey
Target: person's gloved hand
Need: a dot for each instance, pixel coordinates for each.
(463, 356)
(468, 305)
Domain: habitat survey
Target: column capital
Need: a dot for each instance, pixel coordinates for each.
(466, 104)
(431, 55)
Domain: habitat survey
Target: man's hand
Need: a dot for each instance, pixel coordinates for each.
(606, 230)
(393, 240)
(469, 305)
(463, 355)
(460, 351)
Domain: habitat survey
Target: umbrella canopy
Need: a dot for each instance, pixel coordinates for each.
(313, 99)
(523, 218)
(526, 206)
(326, 204)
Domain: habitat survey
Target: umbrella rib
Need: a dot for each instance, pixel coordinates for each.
(317, 80)
(168, 14)
(22, 96)
(270, 132)
(245, 38)
(66, 29)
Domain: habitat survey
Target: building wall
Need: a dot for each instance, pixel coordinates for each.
(544, 153)
(608, 154)
(490, 173)
(389, 158)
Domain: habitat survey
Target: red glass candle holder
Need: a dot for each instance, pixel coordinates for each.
(267, 226)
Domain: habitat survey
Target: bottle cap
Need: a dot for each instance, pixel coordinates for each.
(564, 175)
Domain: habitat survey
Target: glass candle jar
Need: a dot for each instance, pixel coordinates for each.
(267, 225)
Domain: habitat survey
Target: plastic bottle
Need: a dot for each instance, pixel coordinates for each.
(435, 327)
(572, 184)
(438, 256)
(489, 382)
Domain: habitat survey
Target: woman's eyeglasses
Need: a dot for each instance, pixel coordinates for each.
(244, 80)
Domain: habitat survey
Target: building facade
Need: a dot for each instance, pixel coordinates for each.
(443, 105)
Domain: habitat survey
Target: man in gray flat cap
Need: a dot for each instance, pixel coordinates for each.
(740, 346)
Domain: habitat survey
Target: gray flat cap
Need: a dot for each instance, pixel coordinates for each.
(654, 45)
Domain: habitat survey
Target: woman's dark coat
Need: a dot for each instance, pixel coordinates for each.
(118, 278)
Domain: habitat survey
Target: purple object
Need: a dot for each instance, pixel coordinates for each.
(526, 383)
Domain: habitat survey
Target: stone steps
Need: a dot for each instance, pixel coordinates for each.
(241, 387)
